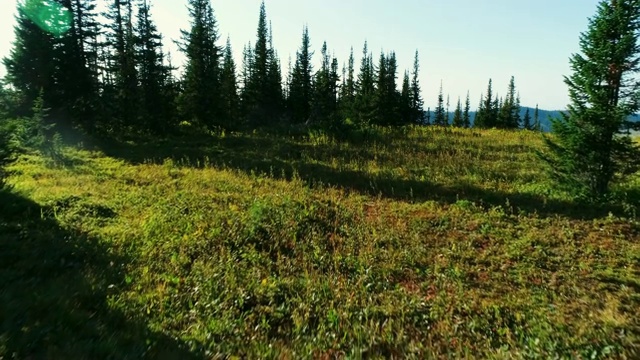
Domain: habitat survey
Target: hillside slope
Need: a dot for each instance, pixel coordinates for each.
(415, 242)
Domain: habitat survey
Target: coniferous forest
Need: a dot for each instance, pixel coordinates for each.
(107, 73)
(251, 207)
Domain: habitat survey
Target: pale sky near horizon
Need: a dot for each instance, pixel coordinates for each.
(462, 43)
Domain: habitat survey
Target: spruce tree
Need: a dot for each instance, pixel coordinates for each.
(300, 91)
(246, 96)
(122, 96)
(263, 92)
(406, 107)
(201, 98)
(590, 150)
(536, 119)
(509, 111)
(515, 113)
(417, 102)
(348, 90)
(458, 120)
(76, 63)
(229, 89)
(31, 66)
(365, 89)
(466, 117)
(274, 95)
(439, 115)
(447, 112)
(486, 116)
(387, 96)
(151, 73)
(324, 99)
(526, 121)
(504, 114)
(479, 118)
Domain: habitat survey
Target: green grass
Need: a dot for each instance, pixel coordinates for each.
(405, 243)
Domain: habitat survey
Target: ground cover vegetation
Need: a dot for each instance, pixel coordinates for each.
(247, 213)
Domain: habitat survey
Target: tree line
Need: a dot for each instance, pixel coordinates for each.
(109, 74)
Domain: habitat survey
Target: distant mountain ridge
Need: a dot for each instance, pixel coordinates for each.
(544, 115)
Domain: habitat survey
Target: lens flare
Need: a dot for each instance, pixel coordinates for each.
(48, 15)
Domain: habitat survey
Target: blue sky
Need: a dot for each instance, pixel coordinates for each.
(461, 42)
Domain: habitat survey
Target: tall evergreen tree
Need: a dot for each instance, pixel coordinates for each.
(246, 96)
(76, 63)
(325, 88)
(229, 88)
(439, 115)
(30, 66)
(387, 95)
(263, 93)
(123, 95)
(466, 117)
(447, 112)
(365, 89)
(150, 62)
(274, 95)
(417, 102)
(348, 90)
(201, 98)
(458, 120)
(526, 121)
(590, 149)
(509, 110)
(486, 117)
(406, 110)
(536, 119)
(300, 91)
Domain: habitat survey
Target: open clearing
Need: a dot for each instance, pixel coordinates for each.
(406, 243)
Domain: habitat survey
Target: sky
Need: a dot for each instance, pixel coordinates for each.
(462, 43)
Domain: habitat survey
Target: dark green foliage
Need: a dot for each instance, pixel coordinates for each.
(263, 89)
(348, 90)
(365, 89)
(486, 115)
(387, 98)
(526, 121)
(325, 90)
(589, 152)
(5, 153)
(201, 99)
(466, 117)
(121, 93)
(406, 112)
(30, 66)
(155, 115)
(229, 89)
(300, 89)
(417, 102)
(77, 61)
(536, 120)
(440, 115)
(37, 132)
(509, 110)
(458, 120)
(6, 107)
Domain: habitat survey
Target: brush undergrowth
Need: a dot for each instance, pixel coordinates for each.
(393, 243)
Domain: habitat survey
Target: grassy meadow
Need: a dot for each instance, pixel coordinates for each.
(393, 243)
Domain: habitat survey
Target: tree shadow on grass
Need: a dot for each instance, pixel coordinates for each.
(54, 286)
(281, 157)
